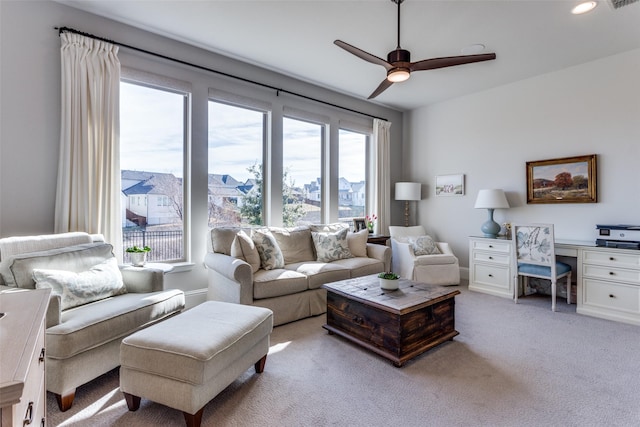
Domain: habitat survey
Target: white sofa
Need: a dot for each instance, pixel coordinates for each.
(293, 291)
(111, 302)
(439, 268)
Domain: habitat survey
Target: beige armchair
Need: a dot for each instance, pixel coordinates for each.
(437, 268)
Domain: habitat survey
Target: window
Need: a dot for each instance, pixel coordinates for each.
(302, 176)
(352, 186)
(152, 146)
(235, 184)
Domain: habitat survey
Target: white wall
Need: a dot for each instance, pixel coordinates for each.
(30, 112)
(593, 108)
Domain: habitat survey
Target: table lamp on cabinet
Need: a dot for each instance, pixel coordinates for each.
(490, 200)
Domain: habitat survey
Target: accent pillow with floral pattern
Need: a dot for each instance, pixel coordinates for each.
(423, 245)
(331, 246)
(270, 254)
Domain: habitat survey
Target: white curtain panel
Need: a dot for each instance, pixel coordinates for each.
(88, 189)
(381, 188)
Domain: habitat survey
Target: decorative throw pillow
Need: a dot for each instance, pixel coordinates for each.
(358, 243)
(295, 243)
(423, 245)
(331, 246)
(101, 281)
(270, 254)
(245, 249)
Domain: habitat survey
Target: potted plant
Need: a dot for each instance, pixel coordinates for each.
(388, 281)
(138, 255)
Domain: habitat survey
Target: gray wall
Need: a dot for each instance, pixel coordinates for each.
(593, 108)
(30, 112)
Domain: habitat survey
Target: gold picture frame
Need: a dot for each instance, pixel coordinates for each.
(563, 180)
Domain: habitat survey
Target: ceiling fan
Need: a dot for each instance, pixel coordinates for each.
(399, 65)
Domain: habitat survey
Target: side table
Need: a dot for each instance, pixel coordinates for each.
(378, 239)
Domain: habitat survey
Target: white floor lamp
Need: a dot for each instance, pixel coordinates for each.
(407, 191)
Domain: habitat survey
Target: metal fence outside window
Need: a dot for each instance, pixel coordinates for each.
(165, 245)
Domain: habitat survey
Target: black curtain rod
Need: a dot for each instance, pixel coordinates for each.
(278, 90)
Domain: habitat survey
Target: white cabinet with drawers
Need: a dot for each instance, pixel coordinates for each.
(490, 266)
(610, 284)
(22, 376)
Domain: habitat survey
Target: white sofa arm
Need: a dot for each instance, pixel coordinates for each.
(445, 248)
(403, 259)
(381, 253)
(230, 279)
(54, 312)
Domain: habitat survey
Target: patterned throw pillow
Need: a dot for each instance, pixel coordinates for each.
(423, 245)
(101, 281)
(331, 246)
(270, 254)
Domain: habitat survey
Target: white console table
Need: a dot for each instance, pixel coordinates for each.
(607, 279)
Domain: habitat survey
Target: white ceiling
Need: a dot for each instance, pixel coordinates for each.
(296, 38)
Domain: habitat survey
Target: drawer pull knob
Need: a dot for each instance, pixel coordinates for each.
(490, 275)
(611, 273)
(611, 258)
(28, 416)
(611, 296)
(490, 257)
(41, 358)
(491, 246)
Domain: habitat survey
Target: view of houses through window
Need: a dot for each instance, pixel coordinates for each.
(153, 140)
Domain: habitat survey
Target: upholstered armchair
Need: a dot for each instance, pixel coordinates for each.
(415, 256)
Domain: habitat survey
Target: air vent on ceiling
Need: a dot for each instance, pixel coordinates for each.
(617, 4)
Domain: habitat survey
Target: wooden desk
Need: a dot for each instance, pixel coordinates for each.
(607, 279)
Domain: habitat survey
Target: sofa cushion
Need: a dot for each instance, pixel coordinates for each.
(358, 243)
(319, 273)
(361, 266)
(99, 282)
(268, 249)
(222, 238)
(331, 246)
(91, 325)
(72, 258)
(423, 245)
(245, 249)
(295, 243)
(437, 259)
(274, 283)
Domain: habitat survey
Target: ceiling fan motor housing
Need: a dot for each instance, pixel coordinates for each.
(399, 55)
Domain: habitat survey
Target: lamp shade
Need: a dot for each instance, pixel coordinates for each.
(490, 199)
(408, 191)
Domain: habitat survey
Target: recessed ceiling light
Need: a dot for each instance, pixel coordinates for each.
(584, 7)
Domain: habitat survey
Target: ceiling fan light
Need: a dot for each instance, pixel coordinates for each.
(398, 75)
(584, 7)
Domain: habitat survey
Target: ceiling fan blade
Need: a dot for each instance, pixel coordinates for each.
(381, 88)
(450, 61)
(362, 54)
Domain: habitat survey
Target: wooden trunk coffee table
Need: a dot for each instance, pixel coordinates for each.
(398, 325)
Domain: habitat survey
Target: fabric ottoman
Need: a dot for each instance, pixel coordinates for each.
(185, 361)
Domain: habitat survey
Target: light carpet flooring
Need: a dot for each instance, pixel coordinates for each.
(511, 365)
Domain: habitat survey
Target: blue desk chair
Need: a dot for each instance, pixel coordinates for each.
(534, 256)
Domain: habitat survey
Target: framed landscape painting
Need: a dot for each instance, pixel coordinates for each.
(565, 180)
(450, 185)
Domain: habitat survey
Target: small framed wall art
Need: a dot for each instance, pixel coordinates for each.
(564, 180)
(450, 185)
